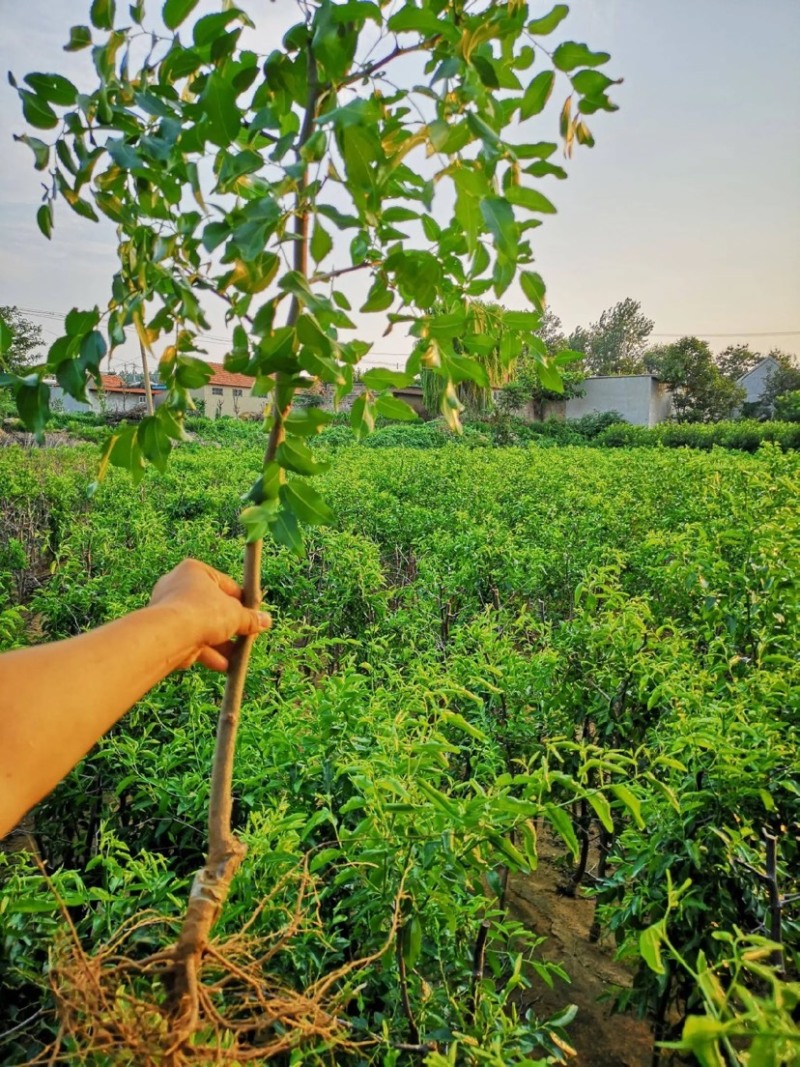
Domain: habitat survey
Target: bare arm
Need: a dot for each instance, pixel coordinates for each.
(57, 700)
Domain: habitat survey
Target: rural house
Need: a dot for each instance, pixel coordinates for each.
(226, 393)
(113, 394)
(755, 381)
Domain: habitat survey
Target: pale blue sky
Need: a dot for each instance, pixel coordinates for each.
(690, 201)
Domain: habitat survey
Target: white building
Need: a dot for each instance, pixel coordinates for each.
(111, 395)
(226, 393)
(640, 399)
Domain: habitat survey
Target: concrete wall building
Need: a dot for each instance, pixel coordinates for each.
(640, 399)
(755, 381)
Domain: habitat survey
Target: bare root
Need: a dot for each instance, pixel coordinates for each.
(115, 1007)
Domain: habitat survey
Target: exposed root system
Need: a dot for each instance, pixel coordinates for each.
(114, 1006)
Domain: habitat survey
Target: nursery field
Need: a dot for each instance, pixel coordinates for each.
(496, 658)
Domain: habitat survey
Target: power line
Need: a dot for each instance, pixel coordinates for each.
(746, 333)
(38, 312)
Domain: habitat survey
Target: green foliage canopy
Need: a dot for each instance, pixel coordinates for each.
(221, 168)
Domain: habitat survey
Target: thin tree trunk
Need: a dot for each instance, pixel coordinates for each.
(225, 851)
(148, 389)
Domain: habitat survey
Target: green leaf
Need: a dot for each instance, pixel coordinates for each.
(293, 455)
(531, 199)
(411, 940)
(438, 799)
(533, 287)
(522, 320)
(321, 242)
(621, 792)
(154, 442)
(191, 373)
(37, 111)
(218, 101)
(547, 23)
(175, 11)
(308, 422)
(570, 55)
(468, 216)
(286, 531)
(391, 407)
(593, 82)
(33, 404)
(79, 37)
(214, 234)
(499, 219)
(412, 19)
(650, 947)
(511, 852)
(602, 809)
(102, 14)
(701, 1033)
(6, 337)
(380, 378)
(258, 519)
(549, 377)
(448, 138)
(41, 151)
(537, 94)
(306, 503)
(361, 150)
(379, 297)
(362, 419)
(53, 88)
(562, 823)
(452, 718)
(464, 368)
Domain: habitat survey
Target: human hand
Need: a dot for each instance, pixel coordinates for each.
(208, 608)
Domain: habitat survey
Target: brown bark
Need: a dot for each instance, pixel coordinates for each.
(225, 851)
(148, 389)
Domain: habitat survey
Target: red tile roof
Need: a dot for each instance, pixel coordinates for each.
(220, 376)
(112, 381)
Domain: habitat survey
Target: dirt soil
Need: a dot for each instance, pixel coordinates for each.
(600, 1038)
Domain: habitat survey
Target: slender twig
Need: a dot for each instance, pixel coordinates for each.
(775, 903)
(328, 275)
(478, 964)
(413, 1031)
(371, 68)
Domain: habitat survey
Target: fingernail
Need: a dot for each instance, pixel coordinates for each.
(265, 619)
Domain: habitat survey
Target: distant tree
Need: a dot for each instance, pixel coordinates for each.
(552, 332)
(26, 347)
(616, 343)
(701, 393)
(787, 407)
(736, 360)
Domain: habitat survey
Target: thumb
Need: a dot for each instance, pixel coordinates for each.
(253, 622)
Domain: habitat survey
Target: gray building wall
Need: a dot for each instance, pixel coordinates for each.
(755, 381)
(100, 401)
(640, 399)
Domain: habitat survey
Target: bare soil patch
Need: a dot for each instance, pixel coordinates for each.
(600, 1037)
